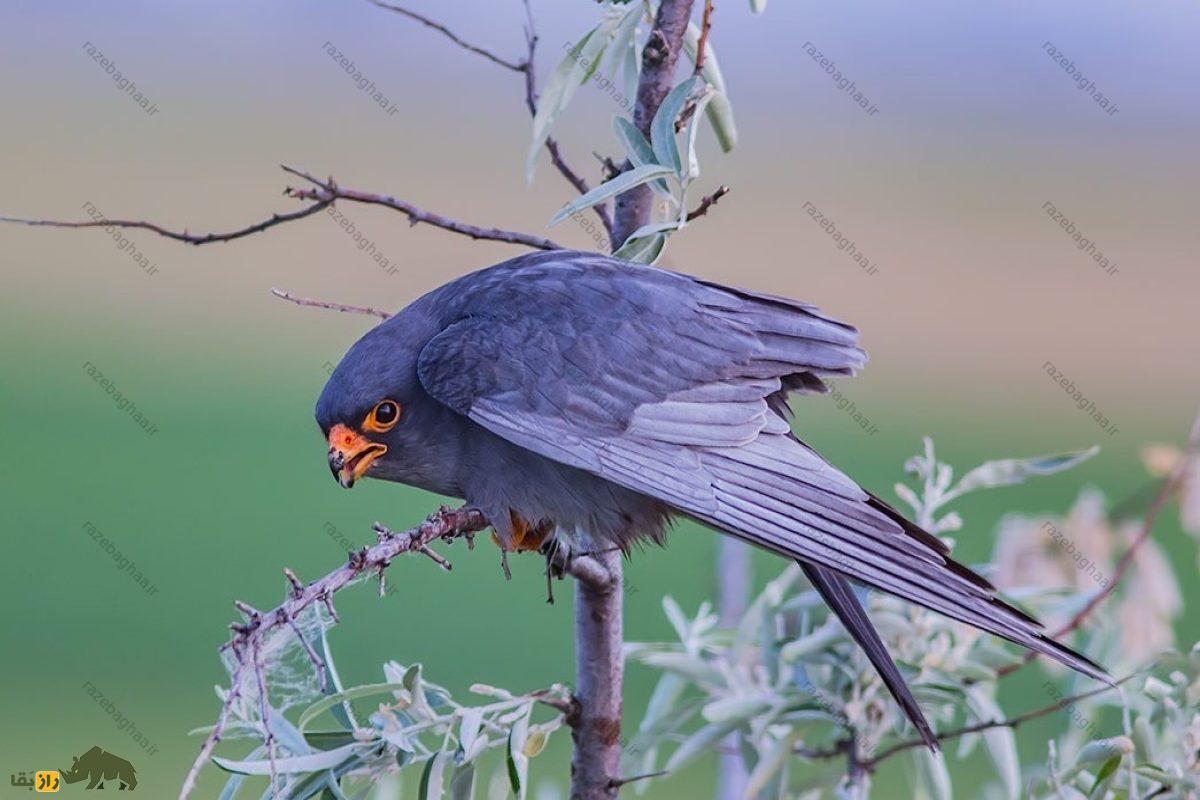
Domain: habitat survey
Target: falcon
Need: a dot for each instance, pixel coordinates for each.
(570, 394)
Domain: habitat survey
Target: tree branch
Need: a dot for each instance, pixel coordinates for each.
(181, 236)
(1012, 722)
(527, 67)
(447, 524)
(705, 27)
(308, 301)
(449, 34)
(323, 194)
(707, 202)
(328, 191)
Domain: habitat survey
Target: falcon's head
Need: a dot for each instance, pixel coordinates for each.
(375, 415)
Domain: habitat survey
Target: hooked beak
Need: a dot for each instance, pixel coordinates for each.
(351, 454)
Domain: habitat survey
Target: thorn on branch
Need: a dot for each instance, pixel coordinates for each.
(297, 586)
(308, 301)
(708, 202)
(437, 559)
(617, 783)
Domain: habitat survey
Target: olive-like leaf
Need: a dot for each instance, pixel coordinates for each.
(662, 127)
(313, 762)
(1010, 471)
(614, 186)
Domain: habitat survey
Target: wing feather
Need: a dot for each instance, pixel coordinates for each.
(674, 388)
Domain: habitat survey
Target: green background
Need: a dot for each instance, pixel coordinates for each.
(235, 487)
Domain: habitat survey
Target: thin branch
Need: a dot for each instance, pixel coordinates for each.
(210, 742)
(707, 202)
(531, 96)
(449, 34)
(181, 236)
(617, 783)
(323, 194)
(445, 524)
(705, 27)
(308, 301)
(329, 190)
(1169, 485)
(1011, 722)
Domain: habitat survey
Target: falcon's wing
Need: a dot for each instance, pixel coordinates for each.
(674, 388)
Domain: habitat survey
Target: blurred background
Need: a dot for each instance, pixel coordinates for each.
(943, 189)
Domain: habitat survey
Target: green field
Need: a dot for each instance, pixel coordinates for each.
(234, 487)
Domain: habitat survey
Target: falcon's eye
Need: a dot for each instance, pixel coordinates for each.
(383, 417)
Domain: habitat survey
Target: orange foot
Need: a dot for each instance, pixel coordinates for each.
(526, 538)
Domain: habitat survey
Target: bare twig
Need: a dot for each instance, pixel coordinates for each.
(210, 742)
(264, 706)
(181, 236)
(707, 202)
(1011, 722)
(308, 301)
(705, 27)
(449, 34)
(445, 524)
(322, 194)
(617, 783)
(527, 67)
(328, 190)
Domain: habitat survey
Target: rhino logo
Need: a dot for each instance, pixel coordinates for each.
(98, 766)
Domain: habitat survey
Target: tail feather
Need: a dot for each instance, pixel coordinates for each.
(820, 517)
(836, 592)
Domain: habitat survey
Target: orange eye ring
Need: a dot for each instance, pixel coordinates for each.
(383, 417)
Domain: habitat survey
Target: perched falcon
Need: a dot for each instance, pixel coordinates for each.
(598, 398)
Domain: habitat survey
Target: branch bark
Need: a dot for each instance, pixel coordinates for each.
(733, 593)
(322, 194)
(599, 677)
(599, 660)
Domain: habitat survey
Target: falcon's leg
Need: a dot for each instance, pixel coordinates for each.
(838, 594)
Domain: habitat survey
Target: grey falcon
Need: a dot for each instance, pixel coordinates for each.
(573, 392)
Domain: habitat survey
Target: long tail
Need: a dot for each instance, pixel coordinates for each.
(840, 597)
